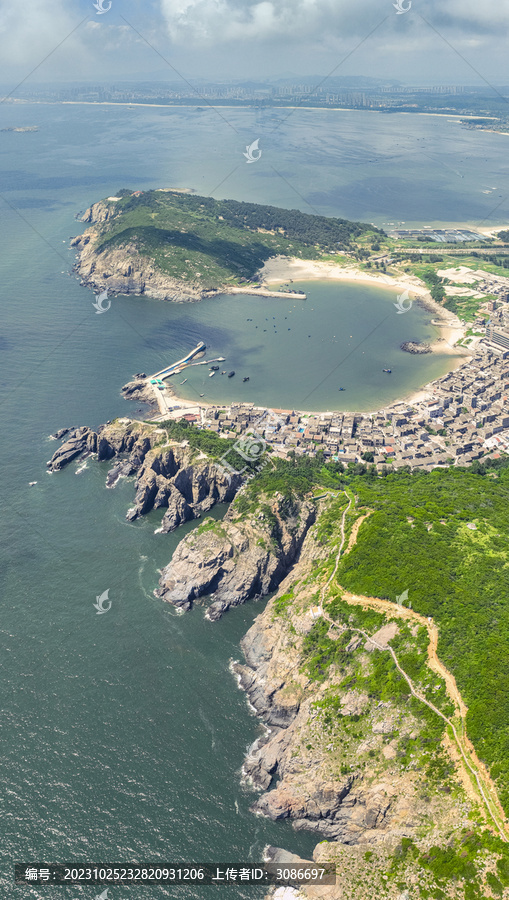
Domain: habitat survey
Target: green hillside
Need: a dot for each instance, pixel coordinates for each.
(418, 540)
(214, 242)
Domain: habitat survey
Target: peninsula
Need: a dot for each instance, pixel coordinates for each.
(375, 678)
(380, 689)
(179, 246)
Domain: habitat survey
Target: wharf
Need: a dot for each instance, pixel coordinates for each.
(263, 292)
(171, 370)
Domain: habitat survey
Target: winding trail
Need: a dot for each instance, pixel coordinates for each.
(338, 556)
(478, 771)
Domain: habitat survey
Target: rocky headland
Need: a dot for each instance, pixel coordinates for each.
(168, 474)
(241, 557)
(358, 797)
(121, 269)
(331, 757)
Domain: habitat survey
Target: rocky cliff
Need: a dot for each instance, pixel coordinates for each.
(119, 268)
(329, 758)
(189, 485)
(239, 558)
(168, 474)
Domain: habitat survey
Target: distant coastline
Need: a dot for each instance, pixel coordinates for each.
(211, 104)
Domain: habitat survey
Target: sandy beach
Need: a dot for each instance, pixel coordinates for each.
(282, 269)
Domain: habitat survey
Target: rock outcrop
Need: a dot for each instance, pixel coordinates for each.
(188, 485)
(140, 391)
(108, 441)
(119, 268)
(80, 441)
(416, 347)
(170, 475)
(237, 559)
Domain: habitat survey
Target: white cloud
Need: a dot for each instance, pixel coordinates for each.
(229, 21)
(57, 42)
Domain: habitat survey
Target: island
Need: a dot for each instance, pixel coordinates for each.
(21, 129)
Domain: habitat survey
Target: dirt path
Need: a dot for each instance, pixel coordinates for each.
(338, 555)
(357, 524)
(485, 786)
(434, 662)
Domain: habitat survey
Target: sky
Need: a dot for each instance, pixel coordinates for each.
(432, 42)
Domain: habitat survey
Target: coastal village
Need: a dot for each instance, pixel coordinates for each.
(459, 418)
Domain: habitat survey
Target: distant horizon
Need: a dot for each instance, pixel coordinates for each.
(370, 81)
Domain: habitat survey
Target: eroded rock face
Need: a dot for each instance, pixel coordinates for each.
(236, 559)
(299, 774)
(121, 270)
(171, 476)
(108, 441)
(188, 487)
(348, 808)
(79, 441)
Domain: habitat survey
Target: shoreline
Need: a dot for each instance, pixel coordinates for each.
(280, 269)
(207, 102)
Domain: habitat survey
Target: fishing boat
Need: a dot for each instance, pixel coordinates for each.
(231, 374)
(387, 370)
(184, 381)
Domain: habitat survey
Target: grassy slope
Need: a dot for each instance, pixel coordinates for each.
(457, 575)
(453, 861)
(214, 242)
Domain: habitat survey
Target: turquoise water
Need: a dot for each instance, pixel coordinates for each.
(122, 735)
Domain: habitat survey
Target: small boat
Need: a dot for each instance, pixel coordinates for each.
(231, 374)
(341, 389)
(387, 370)
(214, 368)
(184, 381)
(211, 374)
(202, 395)
(31, 483)
(246, 378)
(223, 373)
